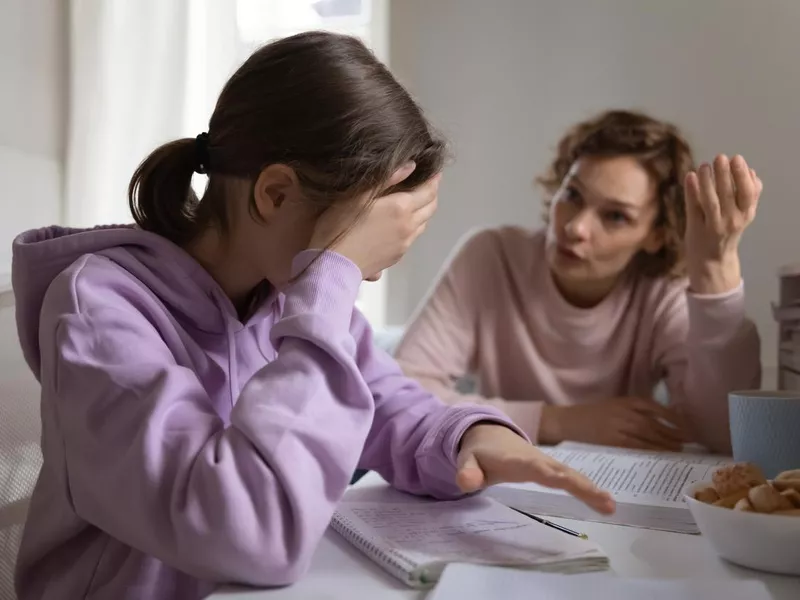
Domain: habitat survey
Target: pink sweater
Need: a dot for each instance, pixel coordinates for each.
(495, 313)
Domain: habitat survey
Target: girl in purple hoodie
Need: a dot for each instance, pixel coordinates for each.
(208, 387)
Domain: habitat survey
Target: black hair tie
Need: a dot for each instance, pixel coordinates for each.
(201, 153)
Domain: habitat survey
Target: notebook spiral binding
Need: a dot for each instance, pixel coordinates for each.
(402, 567)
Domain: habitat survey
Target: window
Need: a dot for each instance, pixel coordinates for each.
(262, 20)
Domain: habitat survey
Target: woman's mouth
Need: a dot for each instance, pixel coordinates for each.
(568, 254)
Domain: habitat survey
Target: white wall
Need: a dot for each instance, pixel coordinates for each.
(504, 78)
(33, 64)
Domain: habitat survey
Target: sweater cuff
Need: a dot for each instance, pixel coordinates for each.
(464, 417)
(716, 318)
(324, 283)
(526, 415)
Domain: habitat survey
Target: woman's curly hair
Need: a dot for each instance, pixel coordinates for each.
(660, 148)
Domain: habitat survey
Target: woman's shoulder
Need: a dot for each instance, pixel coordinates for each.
(660, 296)
(487, 261)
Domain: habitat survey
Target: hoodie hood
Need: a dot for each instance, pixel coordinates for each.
(166, 270)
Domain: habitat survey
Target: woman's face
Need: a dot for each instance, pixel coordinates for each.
(600, 218)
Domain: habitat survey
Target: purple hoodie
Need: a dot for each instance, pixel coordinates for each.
(183, 448)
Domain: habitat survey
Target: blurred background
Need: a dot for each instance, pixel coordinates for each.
(89, 87)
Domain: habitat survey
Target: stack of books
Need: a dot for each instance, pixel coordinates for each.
(787, 315)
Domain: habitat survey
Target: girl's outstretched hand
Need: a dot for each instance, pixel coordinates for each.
(492, 454)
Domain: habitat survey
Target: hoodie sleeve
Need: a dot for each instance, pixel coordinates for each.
(414, 438)
(706, 347)
(150, 462)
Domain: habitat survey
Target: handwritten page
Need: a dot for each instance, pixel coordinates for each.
(476, 582)
(476, 529)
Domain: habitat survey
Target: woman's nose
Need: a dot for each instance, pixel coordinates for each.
(579, 226)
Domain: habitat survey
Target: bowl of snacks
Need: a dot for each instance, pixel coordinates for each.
(749, 520)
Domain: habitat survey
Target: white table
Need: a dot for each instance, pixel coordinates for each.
(339, 572)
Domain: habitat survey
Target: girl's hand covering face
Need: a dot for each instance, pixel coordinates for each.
(375, 234)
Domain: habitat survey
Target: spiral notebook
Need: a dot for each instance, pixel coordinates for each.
(414, 539)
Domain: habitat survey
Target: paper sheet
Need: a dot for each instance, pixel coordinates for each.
(651, 479)
(476, 582)
(648, 486)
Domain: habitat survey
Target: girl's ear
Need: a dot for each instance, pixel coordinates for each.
(275, 185)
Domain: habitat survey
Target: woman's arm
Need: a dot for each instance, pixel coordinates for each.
(722, 351)
(440, 345)
(705, 347)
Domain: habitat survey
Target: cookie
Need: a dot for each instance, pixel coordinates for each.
(734, 478)
(793, 474)
(766, 498)
(786, 484)
(731, 500)
(793, 496)
(707, 494)
(743, 504)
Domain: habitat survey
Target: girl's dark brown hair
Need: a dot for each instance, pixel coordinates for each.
(318, 102)
(660, 148)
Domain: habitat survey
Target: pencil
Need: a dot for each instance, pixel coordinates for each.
(561, 528)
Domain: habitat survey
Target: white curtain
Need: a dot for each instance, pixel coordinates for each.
(141, 73)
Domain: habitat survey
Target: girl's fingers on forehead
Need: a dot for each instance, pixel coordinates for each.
(402, 173)
(431, 186)
(423, 196)
(425, 212)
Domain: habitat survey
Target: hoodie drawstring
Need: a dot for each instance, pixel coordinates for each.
(230, 338)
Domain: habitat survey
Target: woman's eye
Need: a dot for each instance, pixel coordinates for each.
(616, 217)
(572, 195)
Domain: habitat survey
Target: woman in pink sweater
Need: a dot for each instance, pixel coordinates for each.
(634, 280)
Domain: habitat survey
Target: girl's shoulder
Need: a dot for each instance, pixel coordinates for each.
(92, 281)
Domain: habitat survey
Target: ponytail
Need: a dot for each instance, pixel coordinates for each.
(160, 193)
